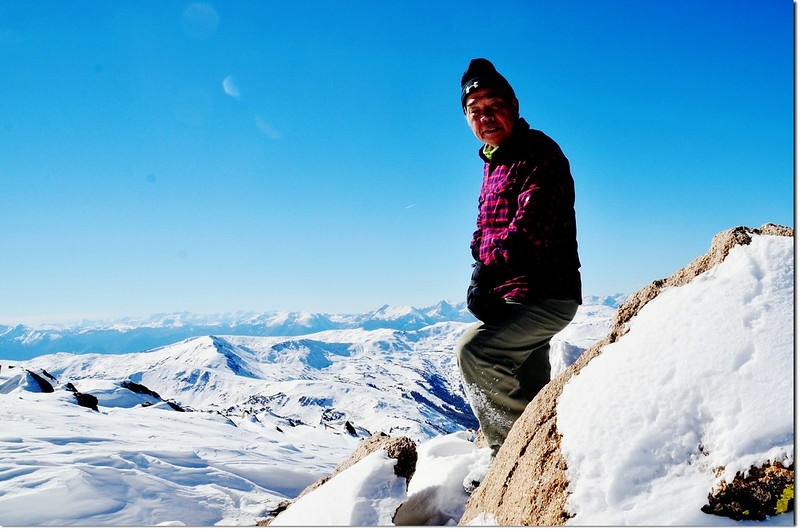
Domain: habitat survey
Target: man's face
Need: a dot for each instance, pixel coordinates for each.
(490, 116)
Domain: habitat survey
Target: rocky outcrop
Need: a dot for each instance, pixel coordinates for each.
(44, 385)
(721, 245)
(144, 390)
(401, 449)
(764, 491)
(527, 483)
(86, 400)
(83, 399)
(140, 389)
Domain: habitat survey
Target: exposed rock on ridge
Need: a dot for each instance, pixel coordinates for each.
(765, 491)
(527, 483)
(402, 449)
(721, 245)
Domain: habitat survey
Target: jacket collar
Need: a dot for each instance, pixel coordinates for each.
(511, 145)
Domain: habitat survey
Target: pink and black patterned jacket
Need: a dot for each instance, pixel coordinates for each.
(526, 219)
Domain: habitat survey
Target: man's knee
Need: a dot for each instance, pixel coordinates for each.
(464, 347)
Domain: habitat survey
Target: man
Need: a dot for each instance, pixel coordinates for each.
(525, 285)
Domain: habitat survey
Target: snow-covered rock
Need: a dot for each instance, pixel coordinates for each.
(695, 376)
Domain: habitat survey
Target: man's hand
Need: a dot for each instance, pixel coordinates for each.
(485, 305)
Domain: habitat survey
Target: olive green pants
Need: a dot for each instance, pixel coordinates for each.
(505, 364)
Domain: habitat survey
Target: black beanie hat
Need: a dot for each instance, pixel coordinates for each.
(482, 74)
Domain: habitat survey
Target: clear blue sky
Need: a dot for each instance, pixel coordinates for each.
(160, 156)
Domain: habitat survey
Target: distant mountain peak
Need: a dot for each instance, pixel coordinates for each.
(141, 334)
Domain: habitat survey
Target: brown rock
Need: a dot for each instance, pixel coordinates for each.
(764, 491)
(527, 483)
(402, 449)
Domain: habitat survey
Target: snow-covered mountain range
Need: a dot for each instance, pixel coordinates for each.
(224, 426)
(18, 342)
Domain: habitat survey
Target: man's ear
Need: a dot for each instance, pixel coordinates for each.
(515, 105)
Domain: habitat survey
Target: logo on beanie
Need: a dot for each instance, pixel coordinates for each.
(471, 87)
